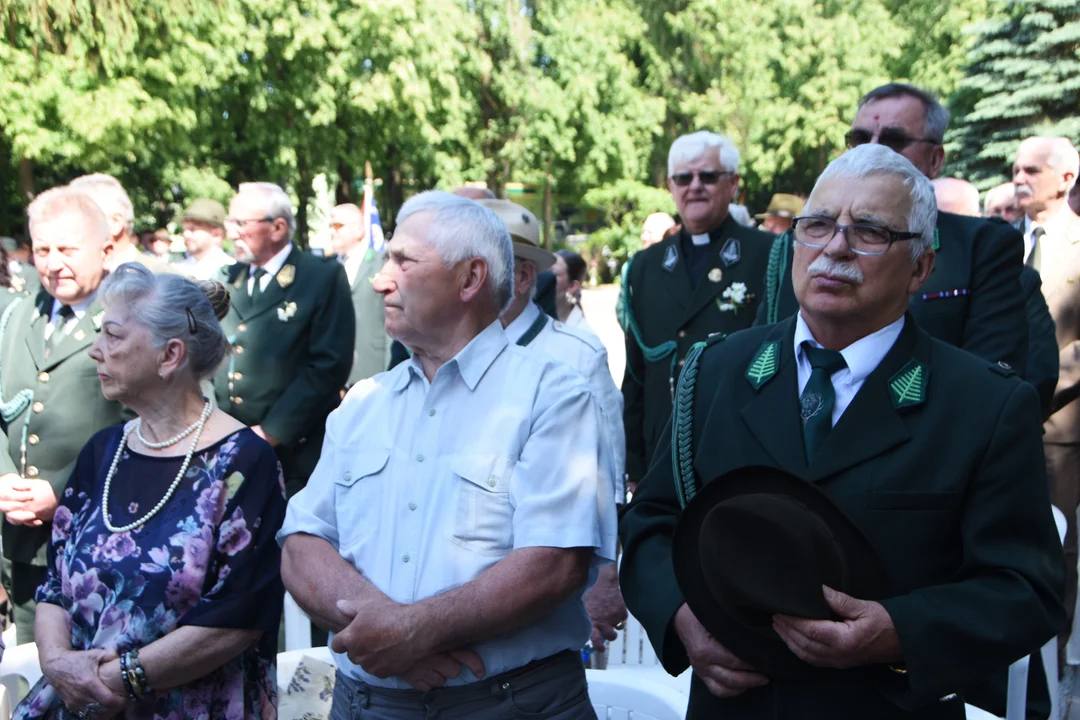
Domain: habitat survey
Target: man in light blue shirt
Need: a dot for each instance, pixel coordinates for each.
(457, 514)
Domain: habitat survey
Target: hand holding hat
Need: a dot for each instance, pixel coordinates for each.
(722, 672)
(865, 634)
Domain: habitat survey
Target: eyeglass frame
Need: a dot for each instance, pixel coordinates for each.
(242, 224)
(908, 140)
(895, 236)
(697, 173)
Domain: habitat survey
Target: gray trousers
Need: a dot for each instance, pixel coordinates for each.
(553, 688)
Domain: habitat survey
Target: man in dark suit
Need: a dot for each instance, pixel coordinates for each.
(703, 280)
(973, 298)
(292, 330)
(353, 247)
(933, 453)
(52, 398)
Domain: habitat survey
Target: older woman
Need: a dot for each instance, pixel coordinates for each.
(162, 598)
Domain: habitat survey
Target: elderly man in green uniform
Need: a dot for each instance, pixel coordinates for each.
(353, 247)
(933, 453)
(52, 401)
(703, 280)
(973, 299)
(291, 327)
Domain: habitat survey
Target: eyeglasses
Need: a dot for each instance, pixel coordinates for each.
(238, 223)
(893, 138)
(707, 177)
(861, 238)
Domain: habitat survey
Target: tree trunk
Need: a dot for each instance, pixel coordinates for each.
(549, 241)
(303, 196)
(344, 192)
(392, 189)
(26, 179)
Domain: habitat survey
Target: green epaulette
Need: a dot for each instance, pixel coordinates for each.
(682, 422)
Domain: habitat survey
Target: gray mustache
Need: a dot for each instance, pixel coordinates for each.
(825, 265)
(1023, 190)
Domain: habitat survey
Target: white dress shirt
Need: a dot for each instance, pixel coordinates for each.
(584, 352)
(78, 308)
(422, 486)
(353, 260)
(207, 267)
(862, 358)
(272, 267)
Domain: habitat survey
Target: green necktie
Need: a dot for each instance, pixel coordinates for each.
(256, 287)
(63, 316)
(819, 397)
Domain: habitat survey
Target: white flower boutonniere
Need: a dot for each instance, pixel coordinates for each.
(286, 311)
(735, 297)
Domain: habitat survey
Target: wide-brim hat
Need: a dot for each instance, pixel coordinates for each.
(524, 231)
(758, 542)
(783, 205)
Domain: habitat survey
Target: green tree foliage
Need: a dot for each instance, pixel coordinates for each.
(623, 206)
(1023, 79)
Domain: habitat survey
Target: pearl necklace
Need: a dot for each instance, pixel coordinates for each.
(173, 440)
(197, 428)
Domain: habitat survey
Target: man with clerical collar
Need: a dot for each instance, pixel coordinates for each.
(933, 454)
(291, 326)
(51, 394)
(705, 279)
(973, 299)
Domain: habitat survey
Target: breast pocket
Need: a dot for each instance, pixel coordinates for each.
(358, 497)
(483, 521)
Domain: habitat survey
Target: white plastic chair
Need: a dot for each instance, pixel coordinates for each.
(617, 695)
(297, 626)
(19, 670)
(288, 661)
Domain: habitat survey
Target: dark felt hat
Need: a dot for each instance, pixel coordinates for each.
(759, 541)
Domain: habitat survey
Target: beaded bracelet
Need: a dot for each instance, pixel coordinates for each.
(140, 673)
(125, 675)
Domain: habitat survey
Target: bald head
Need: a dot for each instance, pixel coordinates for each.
(346, 228)
(474, 193)
(654, 227)
(1001, 202)
(956, 196)
(1044, 172)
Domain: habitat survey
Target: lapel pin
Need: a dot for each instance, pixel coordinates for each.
(286, 276)
(732, 252)
(671, 256)
(716, 275)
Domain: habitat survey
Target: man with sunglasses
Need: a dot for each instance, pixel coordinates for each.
(973, 299)
(703, 280)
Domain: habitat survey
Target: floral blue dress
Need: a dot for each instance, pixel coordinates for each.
(208, 559)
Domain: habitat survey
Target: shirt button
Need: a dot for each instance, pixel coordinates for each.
(38, 407)
(405, 558)
(682, 333)
(419, 458)
(412, 506)
(346, 476)
(493, 481)
(43, 377)
(431, 412)
(33, 439)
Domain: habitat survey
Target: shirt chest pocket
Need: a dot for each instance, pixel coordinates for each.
(358, 497)
(483, 515)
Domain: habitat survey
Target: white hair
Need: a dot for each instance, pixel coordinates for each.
(688, 148)
(278, 204)
(462, 229)
(61, 200)
(110, 196)
(870, 160)
(1006, 189)
(1064, 158)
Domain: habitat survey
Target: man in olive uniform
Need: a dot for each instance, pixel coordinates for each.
(361, 261)
(973, 298)
(705, 279)
(933, 453)
(291, 327)
(52, 398)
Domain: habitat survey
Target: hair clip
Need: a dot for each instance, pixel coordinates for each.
(193, 327)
